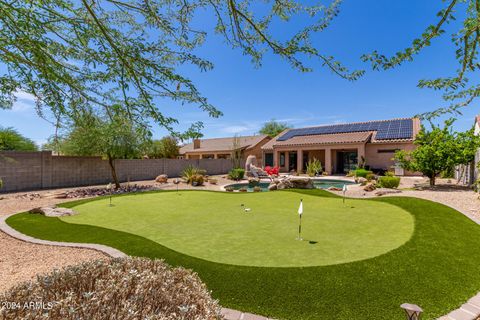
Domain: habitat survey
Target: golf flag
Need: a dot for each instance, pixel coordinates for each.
(344, 189)
(300, 209)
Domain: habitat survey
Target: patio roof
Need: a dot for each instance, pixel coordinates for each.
(336, 138)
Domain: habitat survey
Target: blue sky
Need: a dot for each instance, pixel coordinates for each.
(249, 96)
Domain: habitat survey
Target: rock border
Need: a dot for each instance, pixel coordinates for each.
(112, 252)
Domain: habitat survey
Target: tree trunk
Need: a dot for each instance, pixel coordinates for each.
(114, 172)
(432, 180)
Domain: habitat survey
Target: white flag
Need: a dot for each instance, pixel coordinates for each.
(300, 209)
(344, 189)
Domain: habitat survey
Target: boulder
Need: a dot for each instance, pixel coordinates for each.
(370, 187)
(163, 178)
(53, 211)
(363, 181)
(272, 187)
(300, 182)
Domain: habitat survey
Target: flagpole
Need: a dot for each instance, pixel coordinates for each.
(300, 212)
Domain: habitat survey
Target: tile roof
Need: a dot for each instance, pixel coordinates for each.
(223, 144)
(335, 138)
(372, 131)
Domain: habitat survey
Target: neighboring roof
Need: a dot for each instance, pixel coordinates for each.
(223, 144)
(383, 131)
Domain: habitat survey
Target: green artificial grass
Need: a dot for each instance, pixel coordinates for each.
(214, 226)
(437, 268)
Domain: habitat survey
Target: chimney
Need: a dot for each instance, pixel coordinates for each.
(196, 143)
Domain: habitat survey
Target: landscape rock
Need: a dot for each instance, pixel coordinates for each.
(383, 192)
(53, 211)
(292, 182)
(363, 181)
(370, 187)
(163, 178)
(334, 189)
(272, 187)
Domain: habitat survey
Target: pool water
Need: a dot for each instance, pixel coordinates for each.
(319, 184)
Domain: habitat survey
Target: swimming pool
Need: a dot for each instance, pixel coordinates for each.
(318, 183)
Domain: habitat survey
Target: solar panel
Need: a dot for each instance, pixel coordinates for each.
(386, 130)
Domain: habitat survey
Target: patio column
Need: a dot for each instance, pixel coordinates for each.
(287, 161)
(276, 157)
(215, 156)
(328, 160)
(300, 161)
(360, 154)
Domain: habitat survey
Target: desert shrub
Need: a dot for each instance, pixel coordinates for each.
(351, 173)
(314, 167)
(198, 180)
(190, 171)
(389, 174)
(236, 174)
(1, 183)
(388, 182)
(129, 288)
(229, 189)
(362, 173)
(370, 177)
(257, 189)
(243, 189)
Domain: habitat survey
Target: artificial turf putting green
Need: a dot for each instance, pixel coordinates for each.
(214, 226)
(437, 268)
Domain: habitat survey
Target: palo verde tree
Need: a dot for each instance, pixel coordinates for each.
(439, 150)
(73, 55)
(10, 139)
(462, 87)
(112, 138)
(272, 128)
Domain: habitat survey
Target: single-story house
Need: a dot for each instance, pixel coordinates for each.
(342, 147)
(222, 148)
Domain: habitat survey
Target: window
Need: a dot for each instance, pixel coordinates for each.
(282, 159)
(223, 156)
(269, 159)
(208, 156)
(387, 150)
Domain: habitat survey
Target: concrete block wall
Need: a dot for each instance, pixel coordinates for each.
(40, 170)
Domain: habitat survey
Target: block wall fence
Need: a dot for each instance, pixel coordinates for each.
(22, 171)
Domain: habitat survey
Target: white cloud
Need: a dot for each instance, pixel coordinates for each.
(25, 102)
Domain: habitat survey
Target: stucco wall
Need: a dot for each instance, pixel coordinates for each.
(40, 170)
(378, 160)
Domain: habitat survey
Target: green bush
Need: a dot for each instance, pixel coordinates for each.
(191, 171)
(389, 182)
(1, 183)
(120, 287)
(314, 167)
(389, 174)
(236, 174)
(370, 177)
(362, 173)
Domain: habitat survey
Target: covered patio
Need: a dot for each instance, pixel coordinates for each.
(338, 153)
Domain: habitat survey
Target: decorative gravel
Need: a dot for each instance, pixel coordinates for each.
(21, 261)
